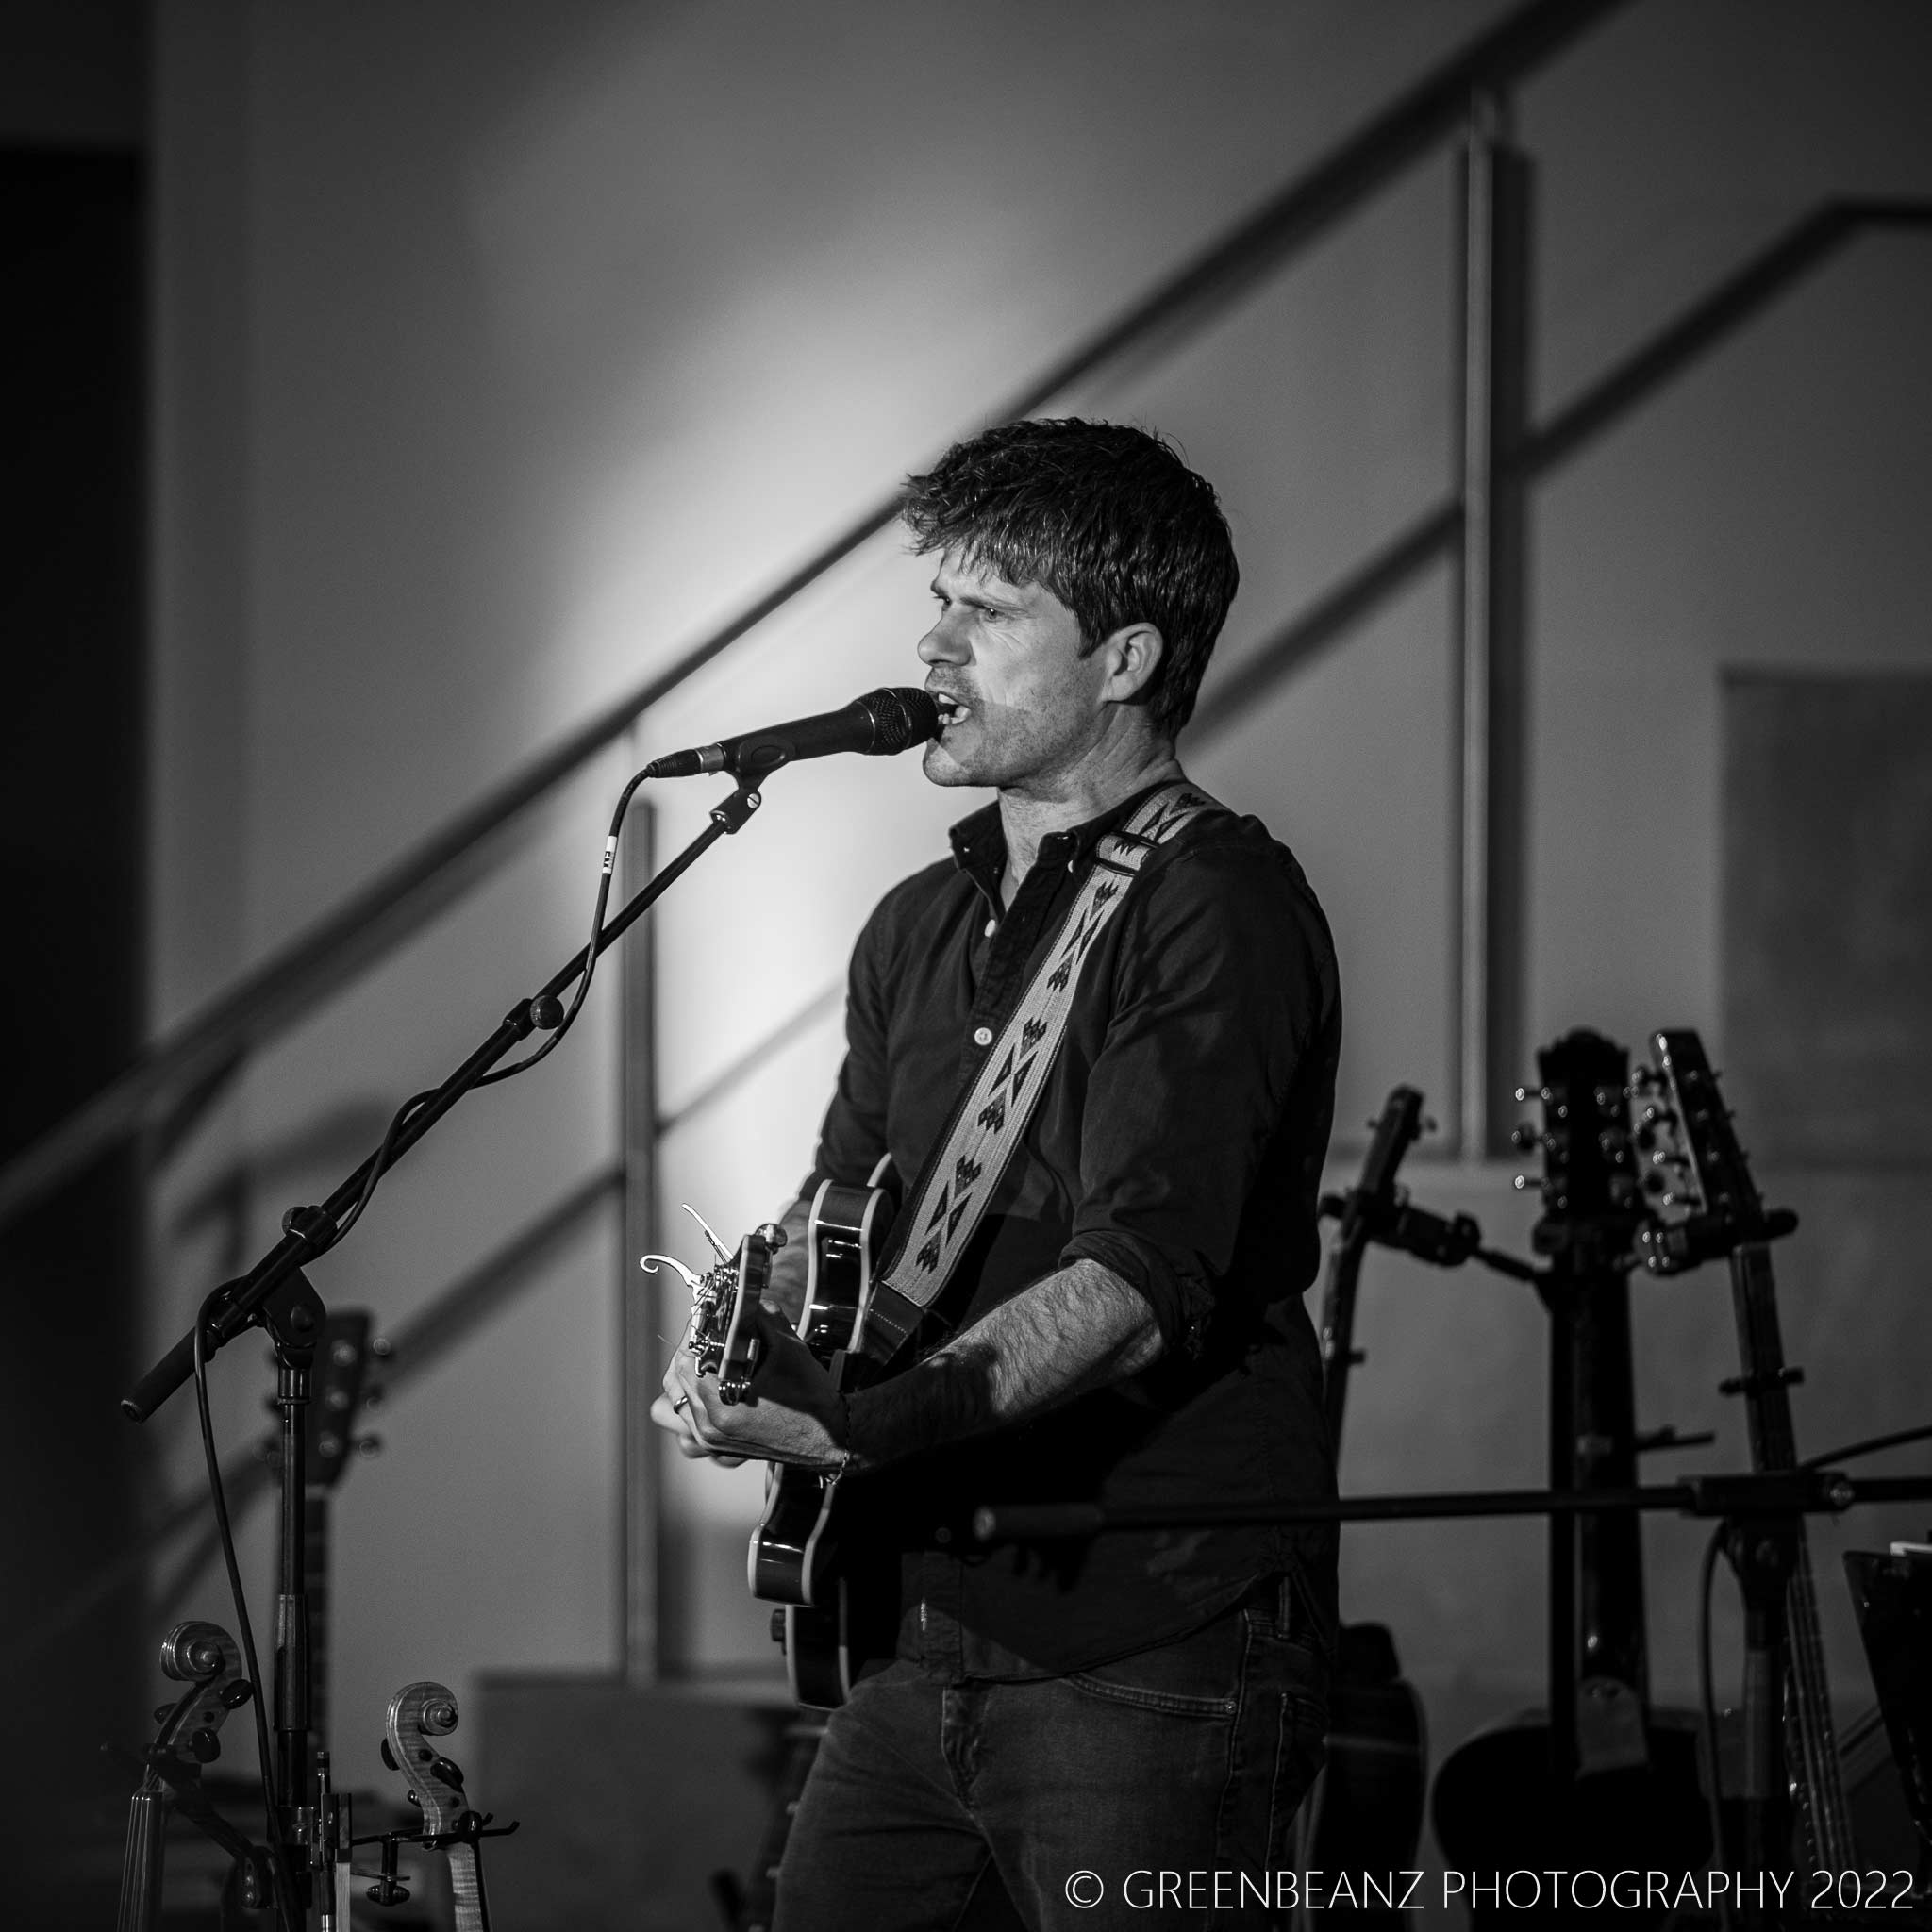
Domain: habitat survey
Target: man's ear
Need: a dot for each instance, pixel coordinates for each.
(1134, 653)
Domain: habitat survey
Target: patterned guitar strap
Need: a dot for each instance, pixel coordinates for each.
(948, 1202)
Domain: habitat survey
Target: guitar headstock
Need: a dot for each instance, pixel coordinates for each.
(1696, 1171)
(1591, 1201)
(338, 1389)
(1397, 1130)
(723, 1337)
(419, 1714)
(206, 1659)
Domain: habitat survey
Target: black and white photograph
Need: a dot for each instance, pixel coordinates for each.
(969, 965)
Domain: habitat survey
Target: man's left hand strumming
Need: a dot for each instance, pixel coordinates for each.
(791, 1414)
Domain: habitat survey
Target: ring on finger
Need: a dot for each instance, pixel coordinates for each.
(682, 1404)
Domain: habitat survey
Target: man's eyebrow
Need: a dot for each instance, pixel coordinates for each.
(971, 599)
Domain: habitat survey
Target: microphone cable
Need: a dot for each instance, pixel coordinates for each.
(278, 1870)
(902, 728)
(566, 1018)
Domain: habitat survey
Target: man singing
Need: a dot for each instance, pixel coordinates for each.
(1124, 1308)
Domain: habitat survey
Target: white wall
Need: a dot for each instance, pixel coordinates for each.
(503, 350)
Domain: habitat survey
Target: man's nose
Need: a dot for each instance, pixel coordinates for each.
(942, 643)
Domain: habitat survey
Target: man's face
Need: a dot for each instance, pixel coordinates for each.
(1029, 707)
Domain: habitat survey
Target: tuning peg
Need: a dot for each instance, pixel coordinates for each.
(367, 1445)
(771, 1234)
(382, 1347)
(1523, 1136)
(1521, 1183)
(1607, 1097)
(1525, 1094)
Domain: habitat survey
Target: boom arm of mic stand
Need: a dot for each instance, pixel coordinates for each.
(1760, 1496)
(311, 1231)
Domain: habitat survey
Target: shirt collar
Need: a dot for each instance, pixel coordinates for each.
(979, 841)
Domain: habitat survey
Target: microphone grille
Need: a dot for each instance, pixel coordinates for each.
(901, 715)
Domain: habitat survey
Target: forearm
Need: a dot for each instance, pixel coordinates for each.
(1080, 1328)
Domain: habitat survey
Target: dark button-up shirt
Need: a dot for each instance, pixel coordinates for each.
(1179, 1140)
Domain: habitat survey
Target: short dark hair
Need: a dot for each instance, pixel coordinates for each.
(1108, 518)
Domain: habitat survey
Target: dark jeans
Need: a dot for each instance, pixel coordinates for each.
(1139, 1793)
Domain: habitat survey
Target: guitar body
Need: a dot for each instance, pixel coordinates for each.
(1365, 1813)
(795, 1543)
(796, 1558)
(1495, 1805)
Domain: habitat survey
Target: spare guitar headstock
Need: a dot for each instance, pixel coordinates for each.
(723, 1336)
(339, 1388)
(1592, 1204)
(1705, 1203)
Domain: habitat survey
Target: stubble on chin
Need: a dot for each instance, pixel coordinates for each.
(942, 768)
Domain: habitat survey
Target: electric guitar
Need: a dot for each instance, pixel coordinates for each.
(1696, 1167)
(796, 1550)
(1365, 1812)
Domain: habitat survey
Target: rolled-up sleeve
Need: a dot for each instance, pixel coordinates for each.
(1224, 984)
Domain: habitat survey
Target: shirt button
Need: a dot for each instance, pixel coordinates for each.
(982, 1036)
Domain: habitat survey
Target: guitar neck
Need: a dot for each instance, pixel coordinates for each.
(1610, 1611)
(315, 1537)
(1812, 1744)
(1338, 1329)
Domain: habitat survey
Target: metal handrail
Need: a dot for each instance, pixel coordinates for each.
(1752, 287)
(423, 882)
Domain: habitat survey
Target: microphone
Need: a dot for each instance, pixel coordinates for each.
(880, 723)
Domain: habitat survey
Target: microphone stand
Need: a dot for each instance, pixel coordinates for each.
(277, 1296)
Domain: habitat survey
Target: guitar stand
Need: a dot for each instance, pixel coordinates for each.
(1763, 1552)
